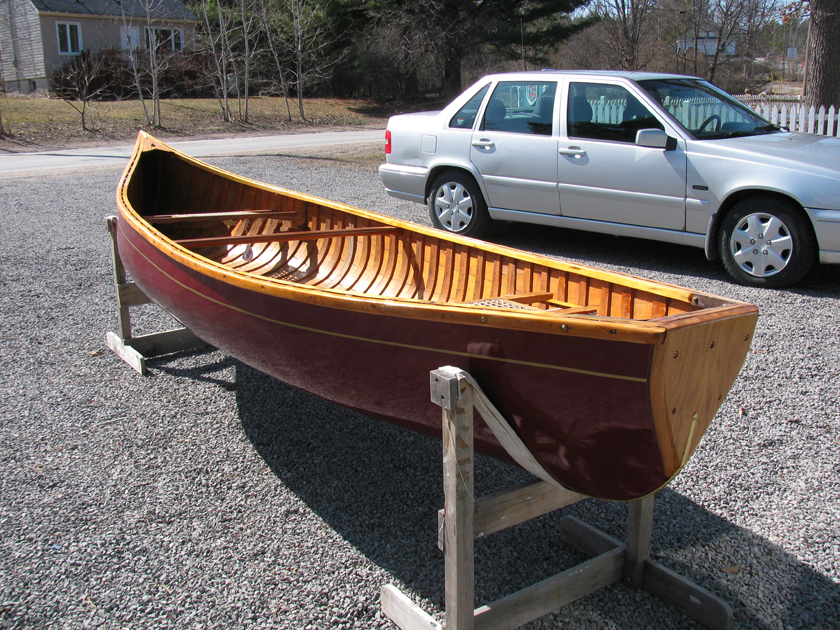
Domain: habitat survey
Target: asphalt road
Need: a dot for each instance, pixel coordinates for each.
(21, 164)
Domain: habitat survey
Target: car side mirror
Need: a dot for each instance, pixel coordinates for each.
(655, 139)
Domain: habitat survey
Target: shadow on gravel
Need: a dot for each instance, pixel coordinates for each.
(379, 487)
(203, 373)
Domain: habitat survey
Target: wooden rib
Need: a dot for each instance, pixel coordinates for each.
(444, 288)
(346, 258)
(407, 280)
(392, 252)
(213, 241)
(659, 307)
(374, 267)
(360, 264)
(583, 290)
(206, 216)
(526, 274)
(301, 264)
(329, 253)
(606, 296)
(477, 287)
(509, 278)
(496, 278)
(626, 303)
(562, 292)
(430, 257)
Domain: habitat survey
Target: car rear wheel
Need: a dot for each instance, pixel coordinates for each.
(766, 242)
(456, 205)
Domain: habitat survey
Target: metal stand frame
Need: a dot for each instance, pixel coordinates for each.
(135, 350)
(465, 518)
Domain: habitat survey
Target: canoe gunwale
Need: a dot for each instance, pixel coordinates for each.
(652, 331)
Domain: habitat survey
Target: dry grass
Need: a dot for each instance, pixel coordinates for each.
(34, 123)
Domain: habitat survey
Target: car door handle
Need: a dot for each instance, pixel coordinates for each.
(575, 151)
(483, 143)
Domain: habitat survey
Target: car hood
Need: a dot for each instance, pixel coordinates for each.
(821, 151)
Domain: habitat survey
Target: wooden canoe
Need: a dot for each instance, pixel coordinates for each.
(609, 380)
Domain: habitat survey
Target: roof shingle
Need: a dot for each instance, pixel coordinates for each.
(159, 9)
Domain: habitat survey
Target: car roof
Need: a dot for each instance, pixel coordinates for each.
(631, 75)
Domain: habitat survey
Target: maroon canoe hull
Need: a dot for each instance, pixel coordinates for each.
(551, 387)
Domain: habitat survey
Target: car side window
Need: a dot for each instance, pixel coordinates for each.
(606, 112)
(465, 117)
(521, 107)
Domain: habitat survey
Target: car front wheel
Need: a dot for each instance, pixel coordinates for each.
(766, 242)
(456, 205)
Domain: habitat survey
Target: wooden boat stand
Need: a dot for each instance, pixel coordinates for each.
(464, 518)
(135, 350)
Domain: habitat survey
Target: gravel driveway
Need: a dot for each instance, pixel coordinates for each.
(207, 495)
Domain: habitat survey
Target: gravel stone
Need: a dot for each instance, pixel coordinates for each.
(208, 495)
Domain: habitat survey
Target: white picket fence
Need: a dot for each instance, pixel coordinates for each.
(798, 117)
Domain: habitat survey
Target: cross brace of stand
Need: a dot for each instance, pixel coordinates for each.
(135, 350)
(464, 518)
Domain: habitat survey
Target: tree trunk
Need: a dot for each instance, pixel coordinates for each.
(823, 73)
(452, 75)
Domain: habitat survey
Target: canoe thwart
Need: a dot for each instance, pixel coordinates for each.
(466, 518)
(280, 237)
(195, 217)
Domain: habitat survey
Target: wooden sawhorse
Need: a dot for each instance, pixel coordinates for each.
(135, 350)
(464, 518)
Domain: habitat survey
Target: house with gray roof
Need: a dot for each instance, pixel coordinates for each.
(37, 36)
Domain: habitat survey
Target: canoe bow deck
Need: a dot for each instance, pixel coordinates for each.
(611, 380)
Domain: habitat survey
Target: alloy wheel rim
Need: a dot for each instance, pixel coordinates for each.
(454, 206)
(761, 244)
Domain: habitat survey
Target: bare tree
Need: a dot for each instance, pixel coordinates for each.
(217, 35)
(248, 49)
(149, 56)
(624, 26)
(134, 60)
(707, 31)
(310, 42)
(82, 81)
(275, 44)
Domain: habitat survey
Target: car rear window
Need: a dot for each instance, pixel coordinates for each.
(465, 117)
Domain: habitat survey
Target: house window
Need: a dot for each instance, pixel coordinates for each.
(165, 39)
(69, 38)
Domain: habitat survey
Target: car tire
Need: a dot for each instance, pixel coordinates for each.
(767, 242)
(456, 205)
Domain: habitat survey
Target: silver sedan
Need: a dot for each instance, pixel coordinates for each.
(663, 157)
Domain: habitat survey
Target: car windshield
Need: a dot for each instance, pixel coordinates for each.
(704, 111)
